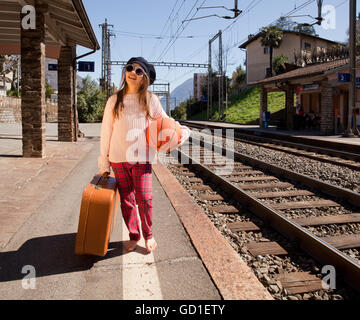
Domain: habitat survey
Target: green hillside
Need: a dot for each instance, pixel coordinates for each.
(245, 108)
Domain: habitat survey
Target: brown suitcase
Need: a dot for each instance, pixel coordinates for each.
(99, 206)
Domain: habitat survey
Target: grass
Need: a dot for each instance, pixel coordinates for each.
(245, 108)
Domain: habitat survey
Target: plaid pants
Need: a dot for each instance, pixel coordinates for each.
(134, 182)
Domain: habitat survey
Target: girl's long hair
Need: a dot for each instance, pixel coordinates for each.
(144, 96)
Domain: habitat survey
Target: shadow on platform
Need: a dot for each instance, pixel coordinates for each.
(50, 255)
(11, 156)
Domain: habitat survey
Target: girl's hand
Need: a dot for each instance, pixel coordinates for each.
(185, 135)
(105, 174)
(182, 140)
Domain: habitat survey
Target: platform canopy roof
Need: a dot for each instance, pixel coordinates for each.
(311, 72)
(66, 24)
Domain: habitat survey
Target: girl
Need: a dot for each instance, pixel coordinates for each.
(123, 146)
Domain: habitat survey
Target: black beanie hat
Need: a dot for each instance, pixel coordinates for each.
(148, 68)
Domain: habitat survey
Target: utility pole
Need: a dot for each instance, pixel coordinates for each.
(352, 65)
(168, 110)
(209, 98)
(105, 81)
(209, 104)
(163, 92)
(226, 98)
(221, 91)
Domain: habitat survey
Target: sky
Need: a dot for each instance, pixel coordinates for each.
(159, 31)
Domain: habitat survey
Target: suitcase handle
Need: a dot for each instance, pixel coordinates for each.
(106, 174)
(100, 181)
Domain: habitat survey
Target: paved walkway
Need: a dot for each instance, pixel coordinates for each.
(40, 205)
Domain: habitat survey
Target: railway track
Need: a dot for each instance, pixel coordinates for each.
(350, 160)
(298, 207)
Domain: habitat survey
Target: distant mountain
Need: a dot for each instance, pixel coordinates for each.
(181, 93)
(52, 78)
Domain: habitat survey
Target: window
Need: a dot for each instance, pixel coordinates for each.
(267, 72)
(266, 50)
(307, 46)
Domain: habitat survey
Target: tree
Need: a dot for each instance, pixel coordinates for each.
(238, 77)
(279, 64)
(91, 101)
(179, 111)
(8, 64)
(305, 28)
(271, 37)
(48, 90)
(285, 24)
(4, 60)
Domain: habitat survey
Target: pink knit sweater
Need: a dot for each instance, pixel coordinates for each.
(123, 139)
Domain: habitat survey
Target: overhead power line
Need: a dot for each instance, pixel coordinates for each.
(163, 31)
(151, 36)
(178, 31)
(302, 6)
(167, 64)
(235, 10)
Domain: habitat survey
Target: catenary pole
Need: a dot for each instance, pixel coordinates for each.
(352, 64)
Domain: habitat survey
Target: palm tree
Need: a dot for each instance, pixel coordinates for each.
(271, 37)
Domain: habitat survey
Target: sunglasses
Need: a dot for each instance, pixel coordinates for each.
(129, 68)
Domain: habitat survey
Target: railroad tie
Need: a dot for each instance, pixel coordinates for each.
(188, 174)
(303, 204)
(242, 226)
(299, 282)
(234, 165)
(267, 247)
(225, 209)
(259, 178)
(338, 219)
(194, 179)
(238, 173)
(255, 186)
(347, 241)
(211, 197)
(183, 169)
(293, 193)
(201, 188)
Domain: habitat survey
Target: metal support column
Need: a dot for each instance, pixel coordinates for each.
(210, 72)
(352, 56)
(209, 97)
(105, 81)
(221, 90)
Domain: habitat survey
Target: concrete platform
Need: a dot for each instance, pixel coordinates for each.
(40, 205)
(39, 215)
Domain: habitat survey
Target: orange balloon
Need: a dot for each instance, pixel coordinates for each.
(163, 134)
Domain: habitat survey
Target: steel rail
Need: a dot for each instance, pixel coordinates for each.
(355, 149)
(328, 151)
(319, 249)
(313, 183)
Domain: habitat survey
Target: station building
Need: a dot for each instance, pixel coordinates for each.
(321, 90)
(295, 45)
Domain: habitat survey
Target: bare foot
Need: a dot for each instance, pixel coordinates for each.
(150, 245)
(131, 245)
